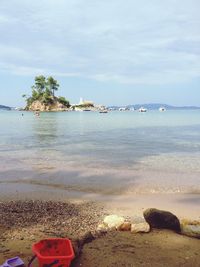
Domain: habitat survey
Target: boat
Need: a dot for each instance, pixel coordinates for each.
(78, 109)
(103, 111)
(142, 109)
(124, 109)
(162, 109)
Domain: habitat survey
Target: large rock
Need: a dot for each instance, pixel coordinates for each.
(191, 230)
(140, 228)
(37, 106)
(113, 221)
(162, 219)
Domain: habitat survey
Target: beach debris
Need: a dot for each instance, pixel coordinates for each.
(87, 238)
(162, 219)
(126, 226)
(13, 262)
(113, 221)
(190, 228)
(140, 228)
(76, 246)
(80, 242)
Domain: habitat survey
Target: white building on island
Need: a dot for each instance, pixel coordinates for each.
(85, 102)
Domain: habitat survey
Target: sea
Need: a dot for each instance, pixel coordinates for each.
(82, 154)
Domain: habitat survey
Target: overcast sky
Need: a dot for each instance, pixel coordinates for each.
(109, 51)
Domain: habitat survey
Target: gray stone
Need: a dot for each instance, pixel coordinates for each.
(191, 229)
(162, 219)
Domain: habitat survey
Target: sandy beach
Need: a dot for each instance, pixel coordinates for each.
(60, 175)
(23, 223)
(100, 133)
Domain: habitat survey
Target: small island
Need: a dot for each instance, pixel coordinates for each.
(43, 96)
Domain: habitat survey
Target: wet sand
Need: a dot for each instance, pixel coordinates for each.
(184, 205)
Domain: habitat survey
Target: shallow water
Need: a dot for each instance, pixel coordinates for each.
(107, 154)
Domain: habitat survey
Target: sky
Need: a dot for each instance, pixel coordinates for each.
(113, 52)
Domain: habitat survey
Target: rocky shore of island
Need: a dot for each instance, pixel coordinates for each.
(56, 106)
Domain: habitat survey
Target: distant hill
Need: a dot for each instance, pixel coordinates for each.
(5, 107)
(155, 106)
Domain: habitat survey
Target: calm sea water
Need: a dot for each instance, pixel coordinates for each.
(114, 153)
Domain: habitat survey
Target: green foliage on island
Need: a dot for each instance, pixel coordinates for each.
(44, 91)
(64, 101)
(85, 105)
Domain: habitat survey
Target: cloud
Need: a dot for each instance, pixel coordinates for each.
(146, 42)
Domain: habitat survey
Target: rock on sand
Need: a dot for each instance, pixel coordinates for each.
(190, 228)
(162, 219)
(140, 228)
(113, 221)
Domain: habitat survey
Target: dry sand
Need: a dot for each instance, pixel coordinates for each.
(156, 249)
(23, 223)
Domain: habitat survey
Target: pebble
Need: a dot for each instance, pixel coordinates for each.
(140, 228)
(113, 221)
(29, 220)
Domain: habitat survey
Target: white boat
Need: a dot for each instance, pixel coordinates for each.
(142, 109)
(103, 111)
(124, 109)
(78, 109)
(162, 109)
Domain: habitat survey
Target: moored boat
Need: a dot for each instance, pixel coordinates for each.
(103, 111)
(162, 109)
(142, 109)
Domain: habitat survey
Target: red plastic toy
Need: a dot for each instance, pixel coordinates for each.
(54, 252)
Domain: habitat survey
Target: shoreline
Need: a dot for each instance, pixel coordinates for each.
(184, 205)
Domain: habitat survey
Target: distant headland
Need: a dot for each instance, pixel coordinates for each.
(152, 106)
(5, 107)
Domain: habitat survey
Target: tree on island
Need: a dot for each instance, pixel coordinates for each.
(40, 84)
(52, 84)
(44, 91)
